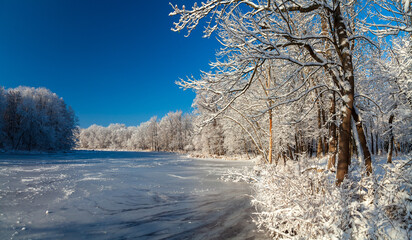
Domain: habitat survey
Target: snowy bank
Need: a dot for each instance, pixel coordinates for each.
(296, 204)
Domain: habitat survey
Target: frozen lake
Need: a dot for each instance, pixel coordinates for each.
(121, 195)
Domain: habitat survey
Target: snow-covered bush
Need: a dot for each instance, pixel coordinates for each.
(391, 205)
(300, 201)
(298, 204)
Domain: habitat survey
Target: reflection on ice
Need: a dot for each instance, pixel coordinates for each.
(106, 195)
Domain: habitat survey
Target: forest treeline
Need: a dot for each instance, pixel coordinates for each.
(172, 133)
(178, 132)
(35, 119)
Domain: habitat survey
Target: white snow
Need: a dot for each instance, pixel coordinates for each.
(308, 205)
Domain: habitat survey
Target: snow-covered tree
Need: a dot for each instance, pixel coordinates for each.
(3, 105)
(313, 40)
(389, 17)
(153, 135)
(37, 119)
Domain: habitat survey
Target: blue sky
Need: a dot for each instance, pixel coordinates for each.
(112, 61)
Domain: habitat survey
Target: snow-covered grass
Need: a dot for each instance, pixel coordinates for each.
(111, 150)
(301, 200)
(238, 157)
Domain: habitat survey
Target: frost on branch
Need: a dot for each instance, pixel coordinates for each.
(390, 17)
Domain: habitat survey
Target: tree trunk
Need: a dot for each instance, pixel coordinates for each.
(363, 143)
(377, 144)
(310, 148)
(266, 89)
(303, 146)
(290, 153)
(325, 137)
(347, 90)
(372, 143)
(344, 145)
(352, 148)
(332, 134)
(270, 136)
(319, 151)
(297, 147)
(390, 148)
(281, 153)
(396, 147)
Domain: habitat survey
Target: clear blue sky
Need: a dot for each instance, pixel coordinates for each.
(112, 61)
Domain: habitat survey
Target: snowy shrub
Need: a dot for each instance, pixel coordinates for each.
(298, 205)
(392, 201)
(294, 202)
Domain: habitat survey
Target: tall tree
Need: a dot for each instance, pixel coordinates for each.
(3, 105)
(391, 137)
(287, 33)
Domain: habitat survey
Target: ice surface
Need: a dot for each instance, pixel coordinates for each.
(116, 195)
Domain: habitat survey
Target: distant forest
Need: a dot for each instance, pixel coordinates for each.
(35, 119)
